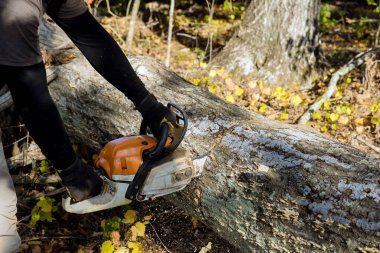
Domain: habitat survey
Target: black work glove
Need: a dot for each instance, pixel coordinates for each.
(81, 181)
(155, 113)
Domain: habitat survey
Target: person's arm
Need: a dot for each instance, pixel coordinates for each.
(104, 54)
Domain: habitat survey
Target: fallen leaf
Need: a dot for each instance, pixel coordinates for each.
(136, 247)
(207, 248)
(122, 250)
(239, 92)
(343, 120)
(362, 121)
(115, 238)
(138, 230)
(194, 221)
(107, 247)
(230, 85)
(230, 99)
(130, 216)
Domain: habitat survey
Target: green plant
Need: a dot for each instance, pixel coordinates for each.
(325, 17)
(43, 210)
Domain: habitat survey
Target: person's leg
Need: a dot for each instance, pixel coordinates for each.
(32, 99)
(9, 238)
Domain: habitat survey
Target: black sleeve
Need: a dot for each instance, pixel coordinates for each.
(102, 51)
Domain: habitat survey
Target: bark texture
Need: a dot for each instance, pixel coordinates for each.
(277, 42)
(266, 186)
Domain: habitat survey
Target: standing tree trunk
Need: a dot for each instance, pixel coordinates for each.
(266, 186)
(277, 42)
(132, 23)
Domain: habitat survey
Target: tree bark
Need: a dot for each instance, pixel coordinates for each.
(277, 42)
(266, 186)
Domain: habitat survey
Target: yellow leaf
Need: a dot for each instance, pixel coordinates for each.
(203, 65)
(263, 108)
(80, 250)
(103, 224)
(122, 250)
(284, 116)
(130, 216)
(324, 129)
(194, 221)
(296, 100)
(212, 73)
(138, 230)
(147, 217)
(317, 115)
(334, 127)
(375, 121)
(362, 121)
(136, 247)
(260, 84)
(220, 72)
(213, 88)
(207, 248)
(338, 94)
(239, 92)
(107, 247)
(230, 99)
(326, 105)
(334, 117)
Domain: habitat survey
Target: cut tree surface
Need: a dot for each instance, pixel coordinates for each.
(266, 186)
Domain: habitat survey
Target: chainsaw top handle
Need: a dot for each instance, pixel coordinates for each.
(177, 134)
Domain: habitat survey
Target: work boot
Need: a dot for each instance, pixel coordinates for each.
(155, 114)
(81, 181)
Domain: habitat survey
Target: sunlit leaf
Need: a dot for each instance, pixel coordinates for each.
(122, 250)
(317, 115)
(334, 127)
(239, 92)
(326, 105)
(324, 129)
(138, 230)
(207, 248)
(136, 247)
(263, 108)
(130, 216)
(230, 99)
(334, 117)
(375, 121)
(338, 94)
(284, 116)
(362, 121)
(296, 100)
(212, 73)
(107, 247)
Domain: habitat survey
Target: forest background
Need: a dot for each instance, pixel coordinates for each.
(200, 30)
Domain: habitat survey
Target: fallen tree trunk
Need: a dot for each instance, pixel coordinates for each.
(267, 186)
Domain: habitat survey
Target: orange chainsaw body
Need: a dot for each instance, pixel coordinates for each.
(123, 156)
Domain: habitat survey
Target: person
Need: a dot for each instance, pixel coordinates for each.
(22, 69)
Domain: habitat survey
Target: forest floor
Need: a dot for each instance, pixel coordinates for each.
(351, 116)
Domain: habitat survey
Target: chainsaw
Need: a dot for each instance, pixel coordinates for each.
(141, 167)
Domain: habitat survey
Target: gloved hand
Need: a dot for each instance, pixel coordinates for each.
(81, 181)
(155, 113)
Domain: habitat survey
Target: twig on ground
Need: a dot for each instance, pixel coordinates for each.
(160, 239)
(57, 237)
(357, 61)
(374, 148)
